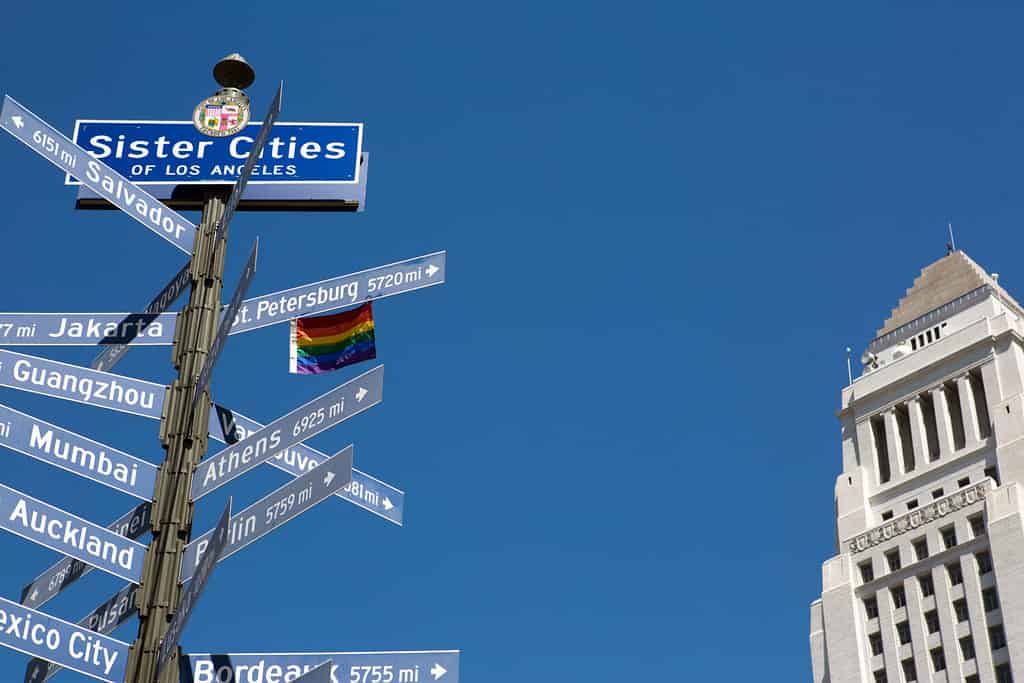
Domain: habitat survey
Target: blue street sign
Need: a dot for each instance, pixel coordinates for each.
(365, 491)
(69, 329)
(218, 541)
(348, 667)
(55, 640)
(306, 421)
(104, 619)
(250, 163)
(225, 324)
(85, 329)
(65, 572)
(62, 531)
(105, 181)
(82, 385)
(340, 292)
(77, 454)
(175, 153)
(144, 323)
(274, 510)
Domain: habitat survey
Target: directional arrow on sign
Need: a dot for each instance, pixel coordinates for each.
(437, 671)
(388, 505)
(50, 144)
(304, 422)
(268, 513)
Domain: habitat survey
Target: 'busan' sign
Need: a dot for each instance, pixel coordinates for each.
(175, 153)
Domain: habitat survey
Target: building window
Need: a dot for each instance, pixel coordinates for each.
(938, 659)
(902, 415)
(996, 636)
(966, 481)
(949, 536)
(876, 643)
(927, 586)
(960, 607)
(956, 577)
(881, 448)
(909, 670)
(892, 558)
(880, 676)
(956, 417)
(980, 402)
(936, 494)
(993, 474)
(967, 647)
(984, 563)
(931, 430)
(1003, 674)
(977, 525)
(867, 573)
(931, 620)
(911, 504)
(921, 548)
(903, 631)
(887, 515)
(990, 598)
(899, 597)
(973, 678)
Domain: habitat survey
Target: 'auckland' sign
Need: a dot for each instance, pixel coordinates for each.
(175, 153)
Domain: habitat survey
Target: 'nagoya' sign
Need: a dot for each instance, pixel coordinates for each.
(174, 152)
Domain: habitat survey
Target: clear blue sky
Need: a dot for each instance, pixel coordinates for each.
(615, 422)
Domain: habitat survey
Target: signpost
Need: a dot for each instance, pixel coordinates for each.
(68, 570)
(58, 641)
(105, 181)
(274, 510)
(290, 165)
(348, 667)
(218, 541)
(334, 407)
(58, 530)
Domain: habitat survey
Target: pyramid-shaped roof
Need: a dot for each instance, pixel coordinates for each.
(941, 282)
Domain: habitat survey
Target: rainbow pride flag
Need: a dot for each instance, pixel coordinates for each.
(330, 342)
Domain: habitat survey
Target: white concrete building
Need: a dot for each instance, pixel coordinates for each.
(928, 582)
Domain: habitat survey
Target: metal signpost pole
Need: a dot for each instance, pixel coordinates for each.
(183, 430)
(183, 433)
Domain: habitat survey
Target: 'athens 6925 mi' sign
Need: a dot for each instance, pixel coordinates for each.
(175, 153)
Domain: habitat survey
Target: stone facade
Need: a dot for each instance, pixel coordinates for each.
(928, 580)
